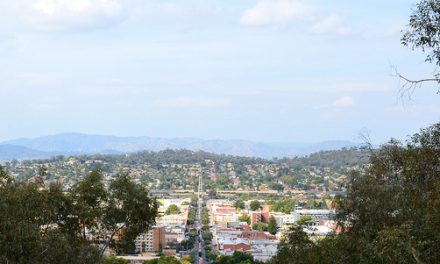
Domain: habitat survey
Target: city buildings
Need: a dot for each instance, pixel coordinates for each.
(153, 241)
(231, 235)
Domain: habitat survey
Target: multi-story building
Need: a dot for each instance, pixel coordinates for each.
(222, 214)
(173, 219)
(151, 241)
(283, 219)
(259, 216)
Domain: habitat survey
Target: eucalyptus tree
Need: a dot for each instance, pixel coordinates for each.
(46, 225)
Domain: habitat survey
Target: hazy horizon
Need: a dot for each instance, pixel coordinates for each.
(197, 138)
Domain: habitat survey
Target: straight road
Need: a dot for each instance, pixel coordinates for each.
(199, 245)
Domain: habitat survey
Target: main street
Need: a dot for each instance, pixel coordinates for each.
(199, 244)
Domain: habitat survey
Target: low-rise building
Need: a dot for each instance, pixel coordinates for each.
(315, 214)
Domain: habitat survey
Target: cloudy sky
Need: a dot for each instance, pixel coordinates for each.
(264, 70)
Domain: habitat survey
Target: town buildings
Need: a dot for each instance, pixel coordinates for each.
(169, 228)
(152, 241)
(231, 235)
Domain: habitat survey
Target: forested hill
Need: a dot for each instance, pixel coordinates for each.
(174, 156)
(178, 169)
(334, 158)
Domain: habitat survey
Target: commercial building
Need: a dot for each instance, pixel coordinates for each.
(261, 245)
(259, 216)
(151, 241)
(315, 214)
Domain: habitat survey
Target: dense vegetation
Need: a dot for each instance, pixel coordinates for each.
(167, 260)
(390, 214)
(41, 224)
(285, 206)
(180, 170)
(169, 156)
(237, 257)
(335, 159)
(172, 209)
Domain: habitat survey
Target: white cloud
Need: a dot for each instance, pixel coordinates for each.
(344, 101)
(332, 23)
(64, 15)
(276, 11)
(191, 102)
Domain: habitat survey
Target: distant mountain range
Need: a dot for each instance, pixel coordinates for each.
(75, 144)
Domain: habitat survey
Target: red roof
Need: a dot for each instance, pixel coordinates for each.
(256, 235)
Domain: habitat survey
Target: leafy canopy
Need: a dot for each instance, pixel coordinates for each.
(41, 224)
(424, 30)
(255, 205)
(390, 213)
(172, 209)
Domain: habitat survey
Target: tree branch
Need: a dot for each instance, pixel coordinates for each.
(415, 255)
(417, 81)
(408, 86)
(107, 243)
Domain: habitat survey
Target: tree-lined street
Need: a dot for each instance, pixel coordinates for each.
(199, 244)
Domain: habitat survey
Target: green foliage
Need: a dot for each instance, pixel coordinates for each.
(276, 187)
(89, 197)
(237, 257)
(29, 219)
(295, 248)
(212, 193)
(157, 159)
(260, 226)
(151, 261)
(390, 213)
(185, 260)
(47, 225)
(239, 204)
(245, 218)
(402, 189)
(424, 29)
(192, 215)
(171, 168)
(255, 205)
(211, 256)
(204, 216)
(334, 159)
(303, 220)
(272, 226)
(163, 260)
(285, 206)
(114, 260)
(172, 209)
(128, 203)
(207, 236)
(168, 260)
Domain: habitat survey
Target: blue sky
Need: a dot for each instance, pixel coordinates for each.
(265, 70)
